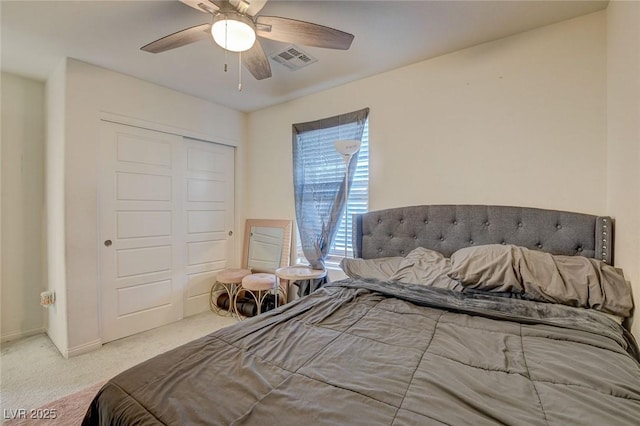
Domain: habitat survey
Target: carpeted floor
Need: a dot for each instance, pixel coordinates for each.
(33, 373)
(67, 411)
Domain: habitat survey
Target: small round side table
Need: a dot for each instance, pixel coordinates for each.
(290, 274)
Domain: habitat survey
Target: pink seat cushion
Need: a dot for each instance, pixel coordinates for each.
(257, 282)
(232, 276)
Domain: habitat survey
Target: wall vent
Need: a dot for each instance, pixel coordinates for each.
(293, 58)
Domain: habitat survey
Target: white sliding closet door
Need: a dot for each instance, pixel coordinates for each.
(208, 209)
(149, 204)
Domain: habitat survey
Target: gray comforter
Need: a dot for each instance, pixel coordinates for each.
(375, 353)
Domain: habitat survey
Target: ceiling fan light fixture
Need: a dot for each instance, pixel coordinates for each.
(233, 31)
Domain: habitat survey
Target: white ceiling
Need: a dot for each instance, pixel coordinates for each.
(36, 35)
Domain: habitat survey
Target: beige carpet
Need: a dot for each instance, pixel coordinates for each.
(67, 411)
(33, 373)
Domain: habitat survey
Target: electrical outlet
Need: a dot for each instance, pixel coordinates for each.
(47, 298)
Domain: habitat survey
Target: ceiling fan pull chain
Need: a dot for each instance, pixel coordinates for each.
(226, 24)
(239, 71)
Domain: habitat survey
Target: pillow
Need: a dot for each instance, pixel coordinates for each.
(486, 267)
(570, 280)
(426, 267)
(380, 269)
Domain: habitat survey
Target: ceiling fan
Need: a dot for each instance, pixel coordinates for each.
(235, 26)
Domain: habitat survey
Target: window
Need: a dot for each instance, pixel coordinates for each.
(318, 148)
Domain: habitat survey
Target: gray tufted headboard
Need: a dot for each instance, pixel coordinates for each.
(447, 228)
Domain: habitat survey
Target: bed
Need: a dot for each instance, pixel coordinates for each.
(487, 341)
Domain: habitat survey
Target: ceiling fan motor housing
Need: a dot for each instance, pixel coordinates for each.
(233, 31)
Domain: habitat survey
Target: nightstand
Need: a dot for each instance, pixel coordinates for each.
(291, 274)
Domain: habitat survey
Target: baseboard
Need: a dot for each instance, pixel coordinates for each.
(21, 334)
(82, 349)
(196, 304)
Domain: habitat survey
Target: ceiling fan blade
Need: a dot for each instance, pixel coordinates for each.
(207, 6)
(257, 62)
(179, 39)
(301, 32)
(249, 7)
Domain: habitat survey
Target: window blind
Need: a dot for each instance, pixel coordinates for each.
(318, 149)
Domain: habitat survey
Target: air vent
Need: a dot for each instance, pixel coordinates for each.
(293, 58)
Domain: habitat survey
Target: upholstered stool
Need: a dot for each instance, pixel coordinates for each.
(227, 281)
(258, 286)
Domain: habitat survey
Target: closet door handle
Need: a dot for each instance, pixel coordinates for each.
(107, 243)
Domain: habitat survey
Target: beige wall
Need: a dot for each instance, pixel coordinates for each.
(23, 278)
(91, 92)
(518, 121)
(54, 196)
(623, 135)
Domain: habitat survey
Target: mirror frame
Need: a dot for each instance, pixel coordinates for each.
(286, 225)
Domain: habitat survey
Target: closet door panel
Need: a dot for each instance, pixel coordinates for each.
(166, 205)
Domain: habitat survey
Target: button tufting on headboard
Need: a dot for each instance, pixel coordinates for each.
(451, 227)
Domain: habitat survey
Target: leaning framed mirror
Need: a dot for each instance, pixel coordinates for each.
(267, 244)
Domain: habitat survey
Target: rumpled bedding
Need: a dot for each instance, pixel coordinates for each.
(569, 280)
(370, 352)
(507, 271)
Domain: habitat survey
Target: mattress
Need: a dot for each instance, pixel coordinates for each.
(373, 352)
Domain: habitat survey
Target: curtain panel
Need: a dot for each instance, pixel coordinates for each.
(318, 179)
